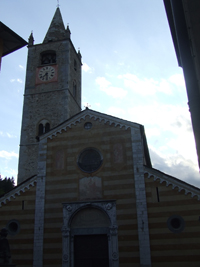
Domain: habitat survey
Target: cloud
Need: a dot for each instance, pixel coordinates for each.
(19, 81)
(11, 135)
(177, 79)
(21, 67)
(98, 104)
(144, 86)
(152, 131)
(7, 135)
(8, 155)
(86, 68)
(165, 117)
(168, 129)
(9, 173)
(16, 80)
(177, 166)
(115, 111)
(102, 82)
(106, 87)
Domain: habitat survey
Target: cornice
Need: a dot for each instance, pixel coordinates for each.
(17, 191)
(174, 182)
(92, 115)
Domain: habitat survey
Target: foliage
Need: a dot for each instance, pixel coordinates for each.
(6, 185)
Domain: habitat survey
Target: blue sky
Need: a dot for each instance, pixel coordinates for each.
(129, 71)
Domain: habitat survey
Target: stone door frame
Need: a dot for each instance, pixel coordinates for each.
(69, 210)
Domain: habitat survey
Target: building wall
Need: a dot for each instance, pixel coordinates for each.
(63, 185)
(191, 9)
(1, 50)
(75, 76)
(183, 17)
(21, 244)
(169, 248)
(51, 101)
(115, 181)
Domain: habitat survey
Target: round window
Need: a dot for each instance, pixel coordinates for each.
(87, 125)
(176, 224)
(90, 160)
(13, 227)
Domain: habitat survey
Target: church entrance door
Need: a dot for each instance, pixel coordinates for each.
(91, 251)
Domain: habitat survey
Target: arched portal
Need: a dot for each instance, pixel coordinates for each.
(90, 234)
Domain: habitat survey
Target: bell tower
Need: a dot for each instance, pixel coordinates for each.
(52, 90)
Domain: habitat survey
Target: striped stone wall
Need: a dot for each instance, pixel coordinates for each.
(172, 248)
(116, 174)
(21, 209)
(60, 180)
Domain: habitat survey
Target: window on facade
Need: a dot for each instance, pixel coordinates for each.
(176, 224)
(40, 129)
(90, 160)
(75, 65)
(88, 125)
(47, 127)
(43, 127)
(13, 227)
(74, 89)
(48, 57)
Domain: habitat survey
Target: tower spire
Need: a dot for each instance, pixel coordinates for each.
(56, 29)
(31, 39)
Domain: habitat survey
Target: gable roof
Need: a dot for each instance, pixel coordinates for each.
(101, 117)
(17, 190)
(170, 180)
(77, 118)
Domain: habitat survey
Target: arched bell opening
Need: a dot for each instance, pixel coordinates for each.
(43, 127)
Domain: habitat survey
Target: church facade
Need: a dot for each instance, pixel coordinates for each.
(87, 194)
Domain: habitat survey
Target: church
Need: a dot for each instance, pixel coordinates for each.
(87, 194)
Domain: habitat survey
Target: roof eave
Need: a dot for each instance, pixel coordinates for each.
(18, 42)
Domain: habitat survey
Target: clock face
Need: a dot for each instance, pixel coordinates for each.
(46, 73)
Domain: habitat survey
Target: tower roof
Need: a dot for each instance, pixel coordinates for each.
(56, 29)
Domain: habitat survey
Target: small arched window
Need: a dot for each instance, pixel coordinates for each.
(48, 57)
(47, 127)
(74, 88)
(75, 65)
(43, 127)
(40, 129)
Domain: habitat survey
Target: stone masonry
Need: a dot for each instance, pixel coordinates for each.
(141, 203)
(54, 101)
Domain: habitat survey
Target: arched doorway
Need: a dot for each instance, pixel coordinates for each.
(90, 234)
(90, 247)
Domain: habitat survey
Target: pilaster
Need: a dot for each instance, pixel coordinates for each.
(140, 193)
(39, 207)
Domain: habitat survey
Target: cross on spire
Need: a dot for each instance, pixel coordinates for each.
(87, 106)
(58, 3)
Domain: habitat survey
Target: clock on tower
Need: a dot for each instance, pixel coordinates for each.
(52, 91)
(46, 74)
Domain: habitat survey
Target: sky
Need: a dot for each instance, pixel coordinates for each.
(130, 71)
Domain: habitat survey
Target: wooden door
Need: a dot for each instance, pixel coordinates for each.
(91, 251)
